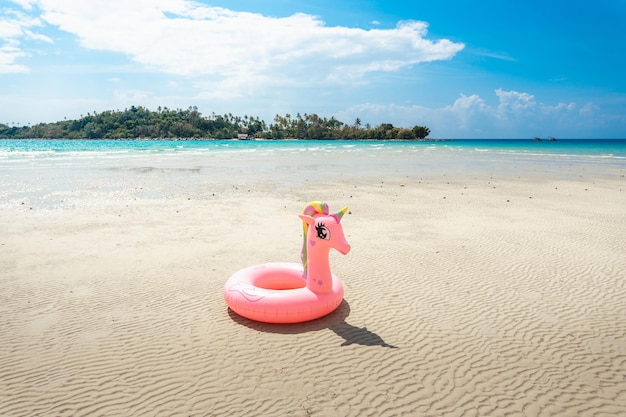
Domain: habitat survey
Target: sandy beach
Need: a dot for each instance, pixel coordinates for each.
(465, 295)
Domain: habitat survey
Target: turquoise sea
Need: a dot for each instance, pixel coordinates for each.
(472, 152)
(359, 157)
(605, 148)
(55, 171)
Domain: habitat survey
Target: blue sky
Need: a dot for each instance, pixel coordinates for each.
(484, 69)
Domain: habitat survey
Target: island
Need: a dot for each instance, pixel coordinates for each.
(139, 122)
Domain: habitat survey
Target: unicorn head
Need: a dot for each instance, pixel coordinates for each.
(321, 232)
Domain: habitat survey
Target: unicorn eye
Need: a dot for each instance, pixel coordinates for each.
(322, 231)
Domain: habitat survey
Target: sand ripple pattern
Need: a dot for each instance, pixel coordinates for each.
(476, 298)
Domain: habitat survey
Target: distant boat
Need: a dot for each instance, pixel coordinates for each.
(537, 139)
(551, 138)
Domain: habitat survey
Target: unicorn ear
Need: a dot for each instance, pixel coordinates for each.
(340, 214)
(307, 219)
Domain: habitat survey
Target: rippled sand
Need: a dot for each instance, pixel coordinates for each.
(482, 293)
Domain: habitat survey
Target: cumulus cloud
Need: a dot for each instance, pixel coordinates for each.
(514, 114)
(236, 49)
(513, 102)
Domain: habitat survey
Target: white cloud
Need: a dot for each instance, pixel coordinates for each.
(515, 115)
(130, 96)
(513, 102)
(26, 4)
(238, 49)
(15, 26)
(494, 55)
(8, 57)
(565, 107)
(467, 103)
(588, 110)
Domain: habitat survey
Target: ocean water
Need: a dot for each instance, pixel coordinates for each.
(66, 172)
(611, 150)
(577, 146)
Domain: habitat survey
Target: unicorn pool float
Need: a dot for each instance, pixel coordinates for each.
(281, 292)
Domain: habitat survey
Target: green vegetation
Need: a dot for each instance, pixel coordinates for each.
(139, 122)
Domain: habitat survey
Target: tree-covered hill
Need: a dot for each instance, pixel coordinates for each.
(139, 122)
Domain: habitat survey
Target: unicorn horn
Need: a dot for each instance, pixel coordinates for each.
(340, 214)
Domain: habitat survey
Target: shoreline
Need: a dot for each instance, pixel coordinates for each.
(174, 139)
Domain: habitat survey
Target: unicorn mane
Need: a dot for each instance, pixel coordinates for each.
(311, 209)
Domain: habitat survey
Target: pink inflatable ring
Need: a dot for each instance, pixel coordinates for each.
(290, 292)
